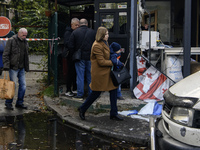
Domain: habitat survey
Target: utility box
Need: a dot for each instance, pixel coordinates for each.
(145, 38)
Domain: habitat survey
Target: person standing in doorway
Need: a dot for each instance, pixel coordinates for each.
(100, 72)
(83, 38)
(16, 61)
(71, 72)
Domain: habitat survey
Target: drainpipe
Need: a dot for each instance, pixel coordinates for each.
(133, 44)
(187, 38)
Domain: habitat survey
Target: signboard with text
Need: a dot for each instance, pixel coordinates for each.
(5, 26)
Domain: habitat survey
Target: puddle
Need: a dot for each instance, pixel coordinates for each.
(42, 131)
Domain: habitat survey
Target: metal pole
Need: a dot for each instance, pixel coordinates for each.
(54, 121)
(149, 56)
(54, 134)
(56, 56)
(187, 38)
(152, 130)
(133, 44)
(149, 29)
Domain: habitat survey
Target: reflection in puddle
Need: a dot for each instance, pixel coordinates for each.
(42, 131)
(12, 137)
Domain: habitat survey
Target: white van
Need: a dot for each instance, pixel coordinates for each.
(179, 127)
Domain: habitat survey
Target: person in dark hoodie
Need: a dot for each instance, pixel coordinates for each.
(71, 72)
(115, 54)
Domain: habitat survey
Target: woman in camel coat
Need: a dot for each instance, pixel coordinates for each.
(100, 75)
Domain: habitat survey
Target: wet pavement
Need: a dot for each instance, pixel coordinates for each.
(31, 98)
(45, 131)
(97, 118)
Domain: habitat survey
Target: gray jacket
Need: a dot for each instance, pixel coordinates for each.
(11, 54)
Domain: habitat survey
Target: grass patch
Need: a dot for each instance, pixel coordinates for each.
(49, 91)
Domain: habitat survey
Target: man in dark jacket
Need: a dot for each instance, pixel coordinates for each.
(16, 61)
(82, 38)
(71, 72)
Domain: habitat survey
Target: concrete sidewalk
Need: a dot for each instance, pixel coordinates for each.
(97, 117)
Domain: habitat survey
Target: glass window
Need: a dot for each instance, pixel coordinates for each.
(107, 21)
(122, 5)
(122, 22)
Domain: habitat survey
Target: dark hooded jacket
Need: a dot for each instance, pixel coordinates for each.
(114, 47)
(11, 54)
(68, 32)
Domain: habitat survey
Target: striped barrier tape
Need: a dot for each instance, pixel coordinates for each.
(36, 39)
(32, 39)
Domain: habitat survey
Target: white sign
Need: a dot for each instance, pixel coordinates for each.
(107, 20)
(4, 26)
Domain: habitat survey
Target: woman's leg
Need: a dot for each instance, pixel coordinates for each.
(113, 102)
(90, 99)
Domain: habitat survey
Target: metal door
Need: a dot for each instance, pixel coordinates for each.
(114, 15)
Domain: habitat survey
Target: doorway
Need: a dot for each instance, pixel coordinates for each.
(113, 14)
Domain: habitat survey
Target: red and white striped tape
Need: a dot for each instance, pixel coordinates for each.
(31, 39)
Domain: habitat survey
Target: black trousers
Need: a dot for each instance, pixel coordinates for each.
(95, 94)
(71, 76)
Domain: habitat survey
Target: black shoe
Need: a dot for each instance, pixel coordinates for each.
(21, 106)
(9, 107)
(81, 114)
(117, 117)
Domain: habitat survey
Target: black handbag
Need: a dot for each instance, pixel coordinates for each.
(77, 54)
(120, 76)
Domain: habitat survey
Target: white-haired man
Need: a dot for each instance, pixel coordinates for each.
(16, 61)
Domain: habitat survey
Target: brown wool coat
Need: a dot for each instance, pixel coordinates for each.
(101, 67)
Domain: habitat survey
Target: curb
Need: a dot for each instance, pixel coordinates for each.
(129, 130)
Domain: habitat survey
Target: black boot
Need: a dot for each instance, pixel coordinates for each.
(21, 106)
(9, 106)
(81, 114)
(117, 117)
